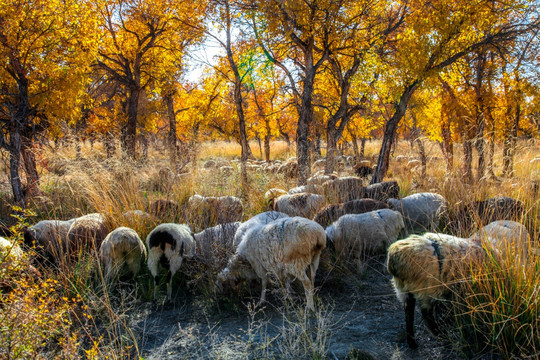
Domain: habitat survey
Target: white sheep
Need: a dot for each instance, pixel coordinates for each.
(271, 195)
(87, 231)
(9, 252)
(217, 240)
(50, 238)
(303, 204)
(260, 219)
(425, 268)
(422, 212)
(168, 244)
(343, 189)
(285, 248)
(216, 210)
(310, 188)
(363, 234)
(507, 237)
(122, 252)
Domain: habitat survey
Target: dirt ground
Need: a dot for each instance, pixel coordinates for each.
(360, 311)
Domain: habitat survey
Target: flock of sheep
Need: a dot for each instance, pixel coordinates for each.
(286, 242)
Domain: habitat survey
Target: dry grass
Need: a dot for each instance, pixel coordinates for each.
(90, 319)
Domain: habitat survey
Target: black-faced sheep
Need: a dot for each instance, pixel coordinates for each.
(303, 204)
(422, 212)
(259, 219)
(382, 191)
(424, 269)
(212, 210)
(285, 248)
(365, 234)
(122, 252)
(484, 212)
(50, 238)
(87, 231)
(343, 189)
(168, 244)
(331, 213)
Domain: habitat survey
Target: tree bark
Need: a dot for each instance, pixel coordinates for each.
(32, 176)
(131, 127)
(390, 133)
(14, 166)
(168, 99)
(467, 161)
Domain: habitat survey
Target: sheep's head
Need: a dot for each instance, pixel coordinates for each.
(30, 236)
(237, 269)
(330, 235)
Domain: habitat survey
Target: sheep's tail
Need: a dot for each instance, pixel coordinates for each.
(160, 239)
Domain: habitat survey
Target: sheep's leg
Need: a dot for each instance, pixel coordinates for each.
(156, 284)
(308, 288)
(410, 303)
(264, 283)
(429, 319)
(314, 266)
(169, 285)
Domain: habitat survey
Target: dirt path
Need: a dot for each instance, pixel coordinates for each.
(360, 312)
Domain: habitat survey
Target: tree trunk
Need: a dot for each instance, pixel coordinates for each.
(480, 148)
(467, 161)
(331, 150)
(14, 166)
(131, 127)
(390, 133)
(355, 148)
(448, 147)
(168, 98)
(267, 146)
(32, 176)
(363, 148)
(259, 142)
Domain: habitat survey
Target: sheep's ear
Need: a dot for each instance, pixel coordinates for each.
(182, 249)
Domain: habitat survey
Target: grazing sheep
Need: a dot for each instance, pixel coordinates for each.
(421, 212)
(331, 213)
(303, 204)
(424, 268)
(285, 248)
(260, 219)
(87, 231)
(486, 211)
(122, 252)
(313, 188)
(320, 179)
(215, 210)
(168, 244)
(136, 217)
(382, 191)
(363, 234)
(164, 209)
(363, 171)
(505, 236)
(271, 196)
(343, 189)
(49, 237)
(215, 244)
(288, 169)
